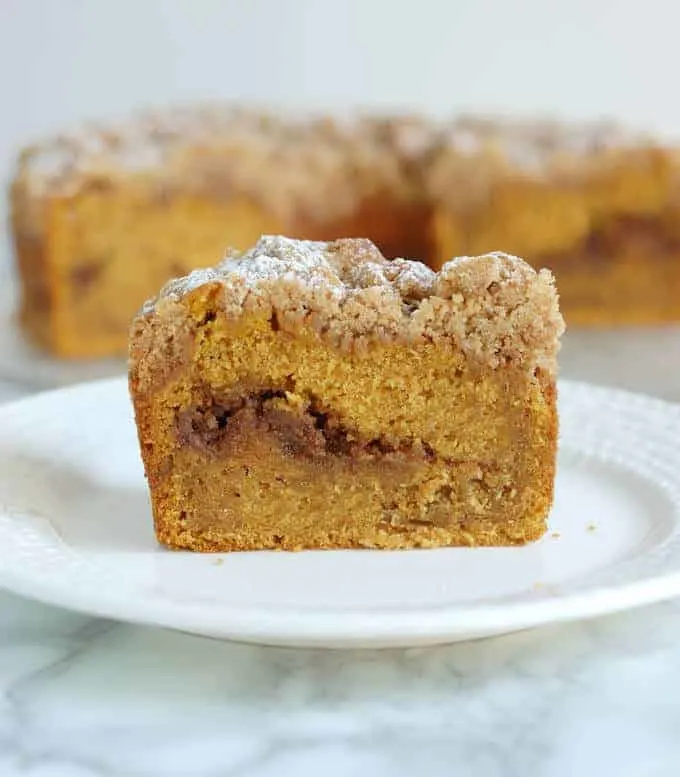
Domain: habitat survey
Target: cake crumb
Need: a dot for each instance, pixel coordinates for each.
(556, 535)
(591, 527)
(218, 562)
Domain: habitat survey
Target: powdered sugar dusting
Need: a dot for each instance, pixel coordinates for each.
(337, 266)
(275, 255)
(494, 267)
(178, 287)
(533, 144)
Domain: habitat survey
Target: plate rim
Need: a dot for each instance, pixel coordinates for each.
(419, 626)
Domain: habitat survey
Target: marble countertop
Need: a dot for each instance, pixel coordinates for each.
(81, 697)
(87, 698)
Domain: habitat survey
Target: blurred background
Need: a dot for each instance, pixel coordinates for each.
(68, 61)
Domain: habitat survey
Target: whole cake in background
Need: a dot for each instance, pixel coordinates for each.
(315, 395)
(103, 218)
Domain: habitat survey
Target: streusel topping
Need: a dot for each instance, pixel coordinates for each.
(310, 166)
(495, 307)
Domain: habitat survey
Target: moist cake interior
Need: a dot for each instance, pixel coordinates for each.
(341, 438)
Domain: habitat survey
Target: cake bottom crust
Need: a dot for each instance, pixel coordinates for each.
(473, 533)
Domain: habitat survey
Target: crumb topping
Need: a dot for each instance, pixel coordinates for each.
(473, 152)
(315, 166)
(231, 151)
(495, 307)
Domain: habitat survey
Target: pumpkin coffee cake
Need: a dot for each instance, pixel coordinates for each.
(315, 395)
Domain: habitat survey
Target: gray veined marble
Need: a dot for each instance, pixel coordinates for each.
(87, 698)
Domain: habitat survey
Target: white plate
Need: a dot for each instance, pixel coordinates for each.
(75, 530)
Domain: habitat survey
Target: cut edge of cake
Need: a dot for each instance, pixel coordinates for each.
(492, 319)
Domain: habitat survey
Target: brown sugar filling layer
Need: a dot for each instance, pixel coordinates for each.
(300, 429)
(401, 447)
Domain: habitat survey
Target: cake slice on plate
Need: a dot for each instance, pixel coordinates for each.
(316, 395)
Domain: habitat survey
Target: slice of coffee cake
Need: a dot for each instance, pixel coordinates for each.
(316, 395)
